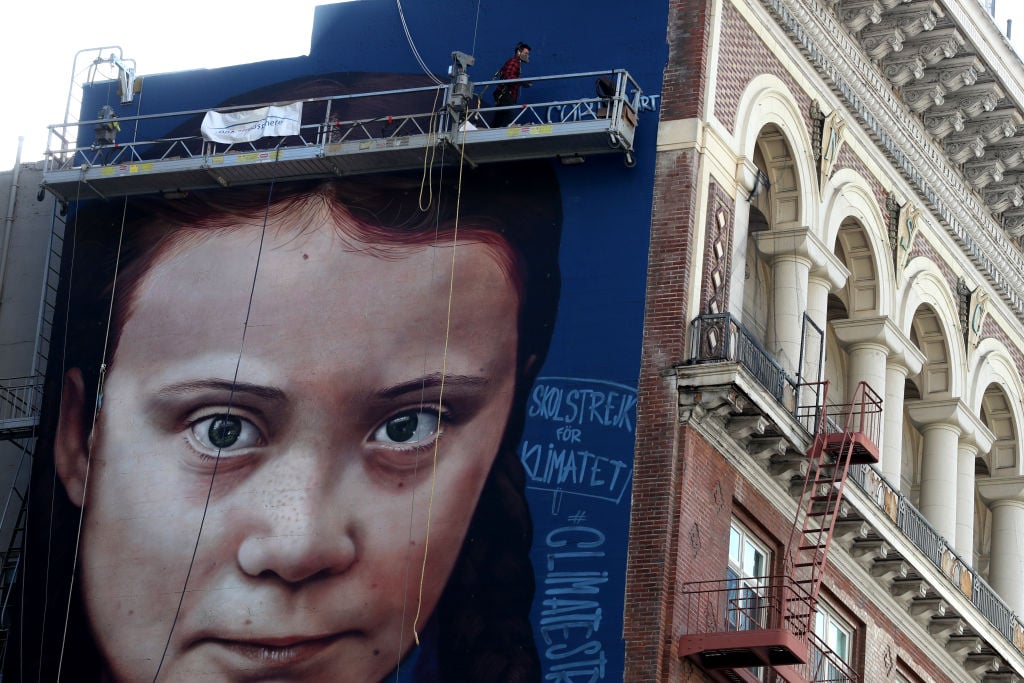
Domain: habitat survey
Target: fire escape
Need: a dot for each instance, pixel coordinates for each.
(761, 629)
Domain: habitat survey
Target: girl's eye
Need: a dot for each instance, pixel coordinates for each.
(411, 427)
(226, 432)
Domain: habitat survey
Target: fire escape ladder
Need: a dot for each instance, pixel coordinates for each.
(736, 629)
(845, 434)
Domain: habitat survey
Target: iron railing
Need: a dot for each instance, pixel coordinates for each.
(719, 337)
(20, 401)
(764, 603)
(936, 548)
(728, 605)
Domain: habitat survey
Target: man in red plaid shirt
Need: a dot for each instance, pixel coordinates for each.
(507, 95)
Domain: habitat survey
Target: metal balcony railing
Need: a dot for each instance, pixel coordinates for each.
(719, 337)
(824, 665)
(920, 532)
(764, 621)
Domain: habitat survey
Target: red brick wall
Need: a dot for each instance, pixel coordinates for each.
(714, 493)
(743, 56)
(655, 513)
(686, 74)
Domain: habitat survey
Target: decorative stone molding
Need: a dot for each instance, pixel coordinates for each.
(958, 72)
(827, 137)
(964, 146)
(1005, 197)
(903, 68)
(842, 63)
(860, 13)
(984, 171)
(973, 311)
(903, 229)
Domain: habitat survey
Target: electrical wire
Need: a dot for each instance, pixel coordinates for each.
(476, 25)
(412, 46)
(230, 405)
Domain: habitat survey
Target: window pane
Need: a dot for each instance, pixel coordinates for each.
(750, 559)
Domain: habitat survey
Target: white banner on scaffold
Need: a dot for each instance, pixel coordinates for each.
(252, 124)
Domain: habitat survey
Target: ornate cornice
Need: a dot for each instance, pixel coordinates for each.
(841, 62)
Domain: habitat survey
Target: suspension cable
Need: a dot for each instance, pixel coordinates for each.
(53, 480)
(230, 405)
(97, 404)
(412, 46)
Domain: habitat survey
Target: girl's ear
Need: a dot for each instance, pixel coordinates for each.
(71, 447)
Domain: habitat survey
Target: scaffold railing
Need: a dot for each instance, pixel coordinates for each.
(167, 152)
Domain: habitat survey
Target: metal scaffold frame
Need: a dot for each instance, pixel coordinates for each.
(76, 167)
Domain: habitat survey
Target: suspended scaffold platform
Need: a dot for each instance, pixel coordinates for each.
(602, 120)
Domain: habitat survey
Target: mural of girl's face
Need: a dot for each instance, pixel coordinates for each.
(320, 420)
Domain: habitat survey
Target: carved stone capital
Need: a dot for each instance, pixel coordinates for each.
(983, 172)
(902, 68)
(958, 72)
(941, 124)
(1002, 198)
(856, 14)
(881, 39)
(996, 125)
(937, 45)
(963, 147)
(974, 100)
(914, 18)
(921, 97)
(1013, 222)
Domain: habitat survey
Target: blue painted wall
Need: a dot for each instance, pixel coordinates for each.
(578, 444)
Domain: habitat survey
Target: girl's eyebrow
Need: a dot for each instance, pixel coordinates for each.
(432, 381)
(192, 386)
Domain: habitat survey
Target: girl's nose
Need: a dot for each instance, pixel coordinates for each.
(301, 537)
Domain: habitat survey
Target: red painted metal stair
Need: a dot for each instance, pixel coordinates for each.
(733, 633)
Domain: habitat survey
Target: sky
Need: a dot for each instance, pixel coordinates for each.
(39, 40)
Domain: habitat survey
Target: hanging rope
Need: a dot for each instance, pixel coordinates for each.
(440, 396)
(429, 153)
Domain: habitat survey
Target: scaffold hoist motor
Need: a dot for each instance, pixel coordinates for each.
(462, 87)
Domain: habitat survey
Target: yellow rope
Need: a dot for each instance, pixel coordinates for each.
(440, 396)
(428, 154)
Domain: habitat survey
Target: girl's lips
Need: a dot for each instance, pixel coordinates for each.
(278, 651)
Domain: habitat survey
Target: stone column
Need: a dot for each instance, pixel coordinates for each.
(869, 344)
(978, 442)
(1005, 496)
(793, 255)
(904, 360)
(827, 274)
(964, 541)
(941, 422)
